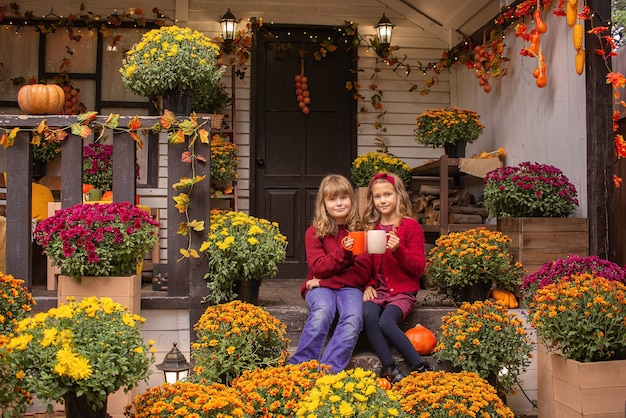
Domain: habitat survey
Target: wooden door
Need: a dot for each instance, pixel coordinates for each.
(291, 152)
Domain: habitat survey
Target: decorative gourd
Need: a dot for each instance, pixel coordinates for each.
(87, 187)
(108, 196)
(41, 99)
(506, 297)
(422, 339)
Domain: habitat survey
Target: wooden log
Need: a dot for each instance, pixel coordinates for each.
(420, 204)
(470, 210)
(436, 204)
(462, 218)
(427, 189)
(462, 198)
(431, 216)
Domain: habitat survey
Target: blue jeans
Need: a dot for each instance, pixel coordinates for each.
(324, 304)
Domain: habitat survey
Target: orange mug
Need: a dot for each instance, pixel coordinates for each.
(358, 242)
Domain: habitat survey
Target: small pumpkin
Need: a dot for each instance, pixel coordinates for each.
(87, 187)
(108, 196)
(422, 339)
(384, 383)
(506, 297)
(41, 99)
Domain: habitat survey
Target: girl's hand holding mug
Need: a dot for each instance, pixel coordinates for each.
(393, 241)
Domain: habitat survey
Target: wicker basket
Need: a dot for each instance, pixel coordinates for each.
(216, 120)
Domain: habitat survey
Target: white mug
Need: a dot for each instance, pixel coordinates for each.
(376, 241)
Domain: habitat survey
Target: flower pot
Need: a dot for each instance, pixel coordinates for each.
(455, 150)
(79, 407)
(248, 290)
(472, 293)
(178, 101)
(596, 389)
(545, 395)
(125, 290)
(535, 241)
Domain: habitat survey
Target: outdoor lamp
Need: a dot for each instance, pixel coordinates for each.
(228, 24)
(174, 366)
(384, 28)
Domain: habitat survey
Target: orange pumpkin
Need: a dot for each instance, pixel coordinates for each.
(41, 99)
(422, 339)
(384, 383)
(87, 187)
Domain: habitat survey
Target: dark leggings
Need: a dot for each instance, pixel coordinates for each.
(383, 323)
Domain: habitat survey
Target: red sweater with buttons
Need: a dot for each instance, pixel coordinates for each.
(403, 268)
(335, 266)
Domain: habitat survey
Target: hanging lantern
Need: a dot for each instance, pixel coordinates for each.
(228, 25)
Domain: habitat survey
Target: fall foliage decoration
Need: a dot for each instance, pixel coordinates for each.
(71, 104)
(302, 89)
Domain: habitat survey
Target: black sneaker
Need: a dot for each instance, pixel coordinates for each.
(392, 373)
(422, 368)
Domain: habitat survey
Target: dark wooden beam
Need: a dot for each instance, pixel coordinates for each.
(600, 137)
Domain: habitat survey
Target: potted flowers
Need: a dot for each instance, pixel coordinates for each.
(97, 239)
(485, 338)
(470, 258)
(277, 390)
(442, 394)
(79, 353)
(349, 393)
(447, 127)
(211, 98)
(240, 248)
(366, 166)
(234, 337)
(529, 190)
(553, 271)
(16, 303)
(170, 59)
(580, 320)
(224, 164)
(190, 399)
(532, 203)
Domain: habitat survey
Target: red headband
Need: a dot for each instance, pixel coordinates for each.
(383, 176)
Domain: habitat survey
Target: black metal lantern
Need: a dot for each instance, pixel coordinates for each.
(174, 366)
(228, 25)
(384, 29)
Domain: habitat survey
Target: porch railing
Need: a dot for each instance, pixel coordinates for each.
(186, 286)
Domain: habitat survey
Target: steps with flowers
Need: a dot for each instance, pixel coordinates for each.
(282, 299)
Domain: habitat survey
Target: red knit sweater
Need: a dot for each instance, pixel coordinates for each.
(337, 267)
(403, 268)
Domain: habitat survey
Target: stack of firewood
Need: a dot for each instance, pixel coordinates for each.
(462, 207)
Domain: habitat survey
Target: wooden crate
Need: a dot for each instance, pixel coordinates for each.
(588, 390)
(536, 241)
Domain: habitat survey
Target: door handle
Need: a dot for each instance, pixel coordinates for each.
(260, 162)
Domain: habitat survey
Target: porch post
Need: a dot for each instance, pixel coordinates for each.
(600, 137)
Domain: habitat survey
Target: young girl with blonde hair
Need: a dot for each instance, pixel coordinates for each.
(336, 278)
(390, 296)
